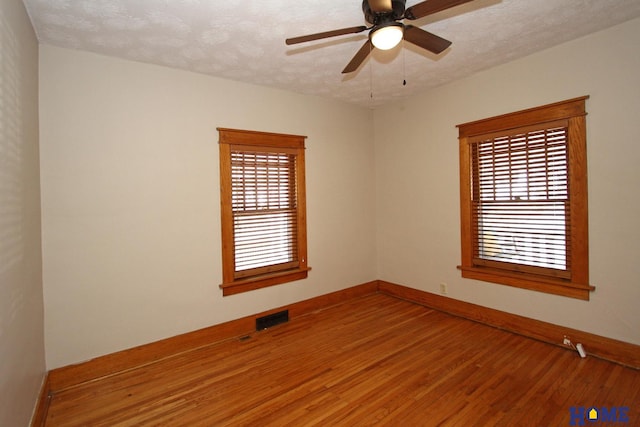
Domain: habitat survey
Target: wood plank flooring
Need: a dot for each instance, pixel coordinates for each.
(373, 360)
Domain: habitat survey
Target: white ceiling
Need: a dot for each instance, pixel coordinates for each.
(244, 40)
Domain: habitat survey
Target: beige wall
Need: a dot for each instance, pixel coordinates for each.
(418, 237)
(130, 199)
(22, 364)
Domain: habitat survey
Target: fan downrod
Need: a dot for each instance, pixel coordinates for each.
(377, 17)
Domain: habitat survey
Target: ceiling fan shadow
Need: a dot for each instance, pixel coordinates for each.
(387, 56)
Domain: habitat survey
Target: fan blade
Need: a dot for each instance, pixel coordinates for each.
(380, 6)
(429, 7)
(425, 39)
(326, 34)
(358, 58)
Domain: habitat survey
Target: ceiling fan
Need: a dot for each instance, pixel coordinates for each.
(386, 31)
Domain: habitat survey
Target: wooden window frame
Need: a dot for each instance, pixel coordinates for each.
(577, 284)
(252, 141)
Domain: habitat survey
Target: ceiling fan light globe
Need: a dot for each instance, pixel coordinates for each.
(387, 37)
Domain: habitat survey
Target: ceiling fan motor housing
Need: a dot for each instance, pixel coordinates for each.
(375, 18)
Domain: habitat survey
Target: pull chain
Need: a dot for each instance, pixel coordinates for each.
(404, 71)
(371, 75)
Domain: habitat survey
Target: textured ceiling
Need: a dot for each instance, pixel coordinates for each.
(244, 40)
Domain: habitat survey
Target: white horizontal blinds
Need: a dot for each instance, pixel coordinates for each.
(263, 200)
(520, 200)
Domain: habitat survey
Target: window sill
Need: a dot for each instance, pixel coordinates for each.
(528, 281)
(263, 281)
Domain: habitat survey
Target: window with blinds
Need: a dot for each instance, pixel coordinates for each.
(523, 199)
(520, 200)
(263, 198)
(262, 209)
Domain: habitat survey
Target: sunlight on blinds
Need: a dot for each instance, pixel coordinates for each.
(520, 198)
(264, 209)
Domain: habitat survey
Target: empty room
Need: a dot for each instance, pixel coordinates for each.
(372, 212)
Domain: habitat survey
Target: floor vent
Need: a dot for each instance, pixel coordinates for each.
(272, 320)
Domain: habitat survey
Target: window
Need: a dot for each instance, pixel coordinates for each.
(263, 210)
(523, 198)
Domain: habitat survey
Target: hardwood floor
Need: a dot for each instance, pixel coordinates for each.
(373, 360)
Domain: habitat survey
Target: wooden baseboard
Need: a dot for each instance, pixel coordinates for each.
(605, 348)
(110, 364)
(42, 405)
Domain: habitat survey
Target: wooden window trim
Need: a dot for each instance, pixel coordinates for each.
(574, 112)
(228, 139)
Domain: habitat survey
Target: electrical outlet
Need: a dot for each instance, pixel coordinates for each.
(443, 288)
